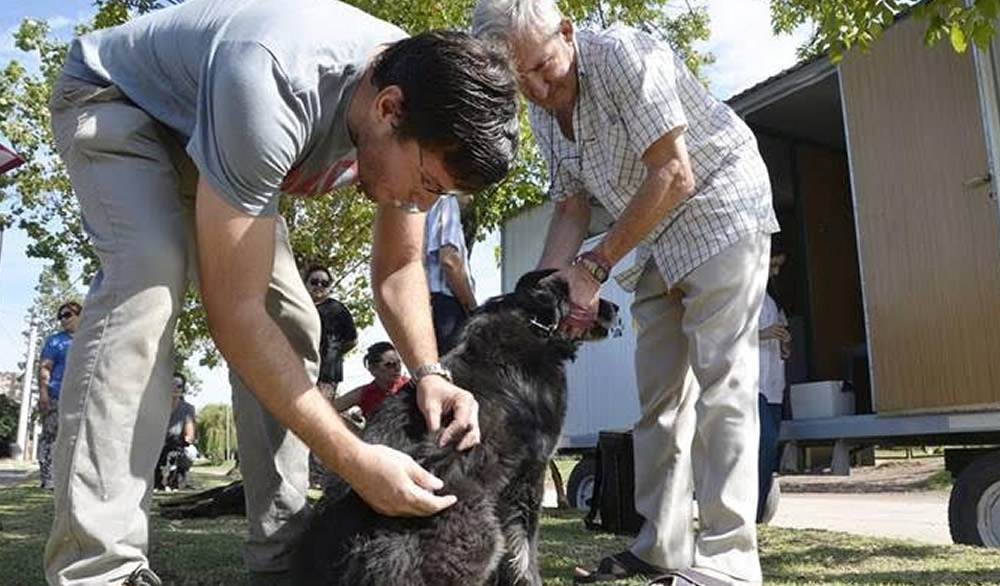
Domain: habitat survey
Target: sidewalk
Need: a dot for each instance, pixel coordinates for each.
(921, 516)
(14, 471)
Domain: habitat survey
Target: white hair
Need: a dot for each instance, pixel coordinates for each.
(505, 19)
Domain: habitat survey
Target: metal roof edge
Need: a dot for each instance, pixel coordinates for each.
(778, 86)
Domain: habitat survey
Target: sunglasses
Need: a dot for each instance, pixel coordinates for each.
(66, 315)
(319, 283)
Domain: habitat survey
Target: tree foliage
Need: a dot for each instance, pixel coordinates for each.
(844, 24)
(213, 431)
(331, 231)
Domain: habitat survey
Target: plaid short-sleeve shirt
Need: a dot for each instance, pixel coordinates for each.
(632, 91)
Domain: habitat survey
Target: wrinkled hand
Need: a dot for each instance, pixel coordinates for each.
(393, 484)
(776, 332)
(583, 296)
(436, 397)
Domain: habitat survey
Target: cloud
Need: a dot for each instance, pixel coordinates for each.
(745, 49)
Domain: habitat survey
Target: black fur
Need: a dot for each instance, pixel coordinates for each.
(510, 357)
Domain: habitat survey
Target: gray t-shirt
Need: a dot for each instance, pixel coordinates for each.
(259, 89)
(178, 417)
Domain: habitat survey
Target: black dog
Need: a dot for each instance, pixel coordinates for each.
(511, 357)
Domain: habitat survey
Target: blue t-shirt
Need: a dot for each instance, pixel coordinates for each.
(258, 89)
(56, 349)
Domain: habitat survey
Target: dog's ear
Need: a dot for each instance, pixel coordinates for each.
(531, 279)
(546, 299)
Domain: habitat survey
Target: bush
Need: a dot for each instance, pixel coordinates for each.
(9, 412)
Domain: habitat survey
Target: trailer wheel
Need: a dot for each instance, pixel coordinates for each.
(974, 506)
(580, 488)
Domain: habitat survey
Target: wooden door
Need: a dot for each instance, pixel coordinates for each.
(928, 243)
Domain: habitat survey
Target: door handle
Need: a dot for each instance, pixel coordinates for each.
(978, 181)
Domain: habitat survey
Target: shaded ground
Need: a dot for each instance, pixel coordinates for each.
(917, 475)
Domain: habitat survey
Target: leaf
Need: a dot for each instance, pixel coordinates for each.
(958, 41)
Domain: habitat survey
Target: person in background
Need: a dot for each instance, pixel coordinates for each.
(51, 366)
(619, 118)
(775, 348)
(180, 437)
(338, 334)
(181, 131)
(448, 274)
(383, 362)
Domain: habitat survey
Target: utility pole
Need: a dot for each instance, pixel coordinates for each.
(29, 370)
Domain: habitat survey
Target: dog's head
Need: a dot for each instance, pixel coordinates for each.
(546, 301)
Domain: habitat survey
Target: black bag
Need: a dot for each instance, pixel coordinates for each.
(614, 486)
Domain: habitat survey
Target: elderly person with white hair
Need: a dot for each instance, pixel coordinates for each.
(619, 118)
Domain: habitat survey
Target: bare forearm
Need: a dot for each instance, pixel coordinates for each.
(44, 378)
(402, 298)
(260, 353)
(660, 193)
(566, 232)
(457, 278)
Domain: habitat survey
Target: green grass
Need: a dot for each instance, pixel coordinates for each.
(206, 552)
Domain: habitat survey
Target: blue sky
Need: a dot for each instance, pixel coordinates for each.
(745, 51)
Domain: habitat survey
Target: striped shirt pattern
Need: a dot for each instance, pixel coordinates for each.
(444, 226)
(632, 91)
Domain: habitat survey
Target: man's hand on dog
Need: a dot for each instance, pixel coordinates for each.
(393, 484)
(437, 397)
(583, 295)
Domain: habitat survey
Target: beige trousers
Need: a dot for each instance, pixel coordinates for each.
(697, 369)
(135, 186)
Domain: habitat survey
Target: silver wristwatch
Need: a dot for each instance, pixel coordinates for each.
(432, 368)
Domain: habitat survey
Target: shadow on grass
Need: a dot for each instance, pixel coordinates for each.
(26, 514)
(824, 557)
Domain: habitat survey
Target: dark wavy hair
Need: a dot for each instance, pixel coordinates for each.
(375, 351)
(73, 306)
(460, 100)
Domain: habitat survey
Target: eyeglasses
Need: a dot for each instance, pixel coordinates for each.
(319, 283)
(66, 314)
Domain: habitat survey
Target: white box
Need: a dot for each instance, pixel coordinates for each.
(821, 399)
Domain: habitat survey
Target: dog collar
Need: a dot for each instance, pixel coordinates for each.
(545, 330)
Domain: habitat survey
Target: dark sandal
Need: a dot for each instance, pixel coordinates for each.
(618, 566)
(686, 578)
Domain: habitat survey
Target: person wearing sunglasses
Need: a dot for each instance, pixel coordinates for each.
(180, 130)
(51, 366)
(338, 334)
(178, 446)
(383, 362)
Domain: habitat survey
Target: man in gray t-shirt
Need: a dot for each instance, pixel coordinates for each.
(179, 131)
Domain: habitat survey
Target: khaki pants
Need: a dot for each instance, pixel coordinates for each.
(697, 371)
(136, 188)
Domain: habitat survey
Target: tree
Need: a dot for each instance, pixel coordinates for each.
(844, 24)
(331, 231)
(215, 435)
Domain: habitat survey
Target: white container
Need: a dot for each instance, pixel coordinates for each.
(821, 399)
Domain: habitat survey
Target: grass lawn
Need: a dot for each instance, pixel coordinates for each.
(206, 552)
